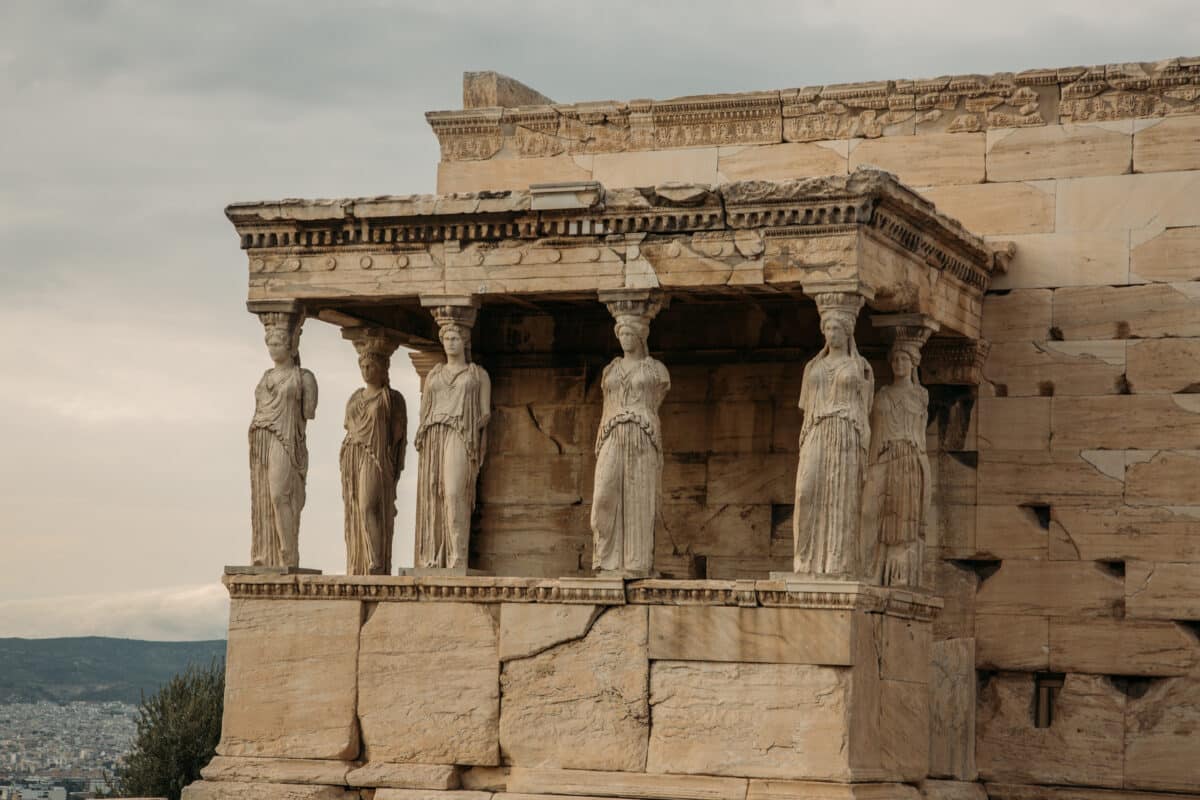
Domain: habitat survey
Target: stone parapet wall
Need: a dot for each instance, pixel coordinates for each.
(659, 689)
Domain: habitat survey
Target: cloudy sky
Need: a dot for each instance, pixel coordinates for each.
(127, 359)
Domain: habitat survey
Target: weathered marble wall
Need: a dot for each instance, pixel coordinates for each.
(1070, 507)
(730, 427)
(661, 690)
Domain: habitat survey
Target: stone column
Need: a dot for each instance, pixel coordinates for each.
(451, 439)
(898, 486)
(372, 454)
(629, 452)
(284, 401)
(835, 398)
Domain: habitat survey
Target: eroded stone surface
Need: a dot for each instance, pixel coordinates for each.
(277, 770)
(429, 684)
(756, 720)
(528, 629)
(404, 776)
(583, 704)
(242, 790)
(290, 679)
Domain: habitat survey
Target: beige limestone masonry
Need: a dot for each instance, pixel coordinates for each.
(438, 664)
(1068, 494)
(290, 683)
(560, 704)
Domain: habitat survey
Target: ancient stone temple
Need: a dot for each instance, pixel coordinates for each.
(836, 442)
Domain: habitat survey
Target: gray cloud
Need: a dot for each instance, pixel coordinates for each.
(127, 358)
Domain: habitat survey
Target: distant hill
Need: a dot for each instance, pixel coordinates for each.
(94, 667)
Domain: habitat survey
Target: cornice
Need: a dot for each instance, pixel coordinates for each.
(945, 104)
(744, 593)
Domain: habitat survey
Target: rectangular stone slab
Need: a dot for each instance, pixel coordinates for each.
(244, 790)
(581, 704)
(429, 689)
(625, 784)
(277, 770)
(290, 679)
(750, 720)
(756, 635)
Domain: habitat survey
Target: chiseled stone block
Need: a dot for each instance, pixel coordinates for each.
(1066, 259)
(776, 162)
(430, 794)
(1059, 151)
(997, 208)
(1120, 312)
(1023, 791)
(952, 790)
(581, 704)
(1163, 365)
(1043, 368)
(290, 679)
(927, 160)
(753, 720)
(524, 780)
(1084, 745)
(905, 649)
(277, 770)
(497, 174)
(1012, 641)
(652, 167)
(1157, 590)
(527, 629)
(1017, 316)
(817, 790)
(752, 635)
(952, 709)
(428, 678)
(404, 776)
(1121, 532)
(903, 729)
(245, 790)
(1059, 588)
(1167, 144)
(1127, 421)
(1160, 736)
(1120, 647)
(1162, 477)
(1169, 257)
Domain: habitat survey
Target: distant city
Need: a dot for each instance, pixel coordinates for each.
(53, 751)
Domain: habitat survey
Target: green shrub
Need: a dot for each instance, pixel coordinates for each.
(177, 732)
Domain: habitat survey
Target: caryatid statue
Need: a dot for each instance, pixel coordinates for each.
(456, 404)
(835, 397)
(372, 455)
(284, 401)
(629, 452)
(898, 487)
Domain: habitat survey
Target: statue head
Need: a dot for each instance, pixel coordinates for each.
(839, 314)
(455, 338)
(633, 332)
(375, 347)
(282, 336)
(905, 357)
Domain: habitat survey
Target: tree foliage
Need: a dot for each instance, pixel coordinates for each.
(178, 728)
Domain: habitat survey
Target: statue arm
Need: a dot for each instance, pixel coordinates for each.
(485, 398)
(308, 394)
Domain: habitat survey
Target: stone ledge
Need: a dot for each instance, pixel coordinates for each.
(487, 589)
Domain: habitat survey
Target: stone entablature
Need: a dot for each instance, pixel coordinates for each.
(947, 104)
(592, 591)
(835, 233)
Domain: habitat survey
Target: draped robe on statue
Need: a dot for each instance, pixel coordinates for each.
(835, 397)
(372, 457)
(451, 444)
(897, 489)
(628, 465)
(278, 466)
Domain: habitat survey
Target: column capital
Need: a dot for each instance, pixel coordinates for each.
(371, 340)
(645, 303)
(914, 328)
(425, 360)
(452, 309)
(275, 307)
(954, 361)
(813, 288)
